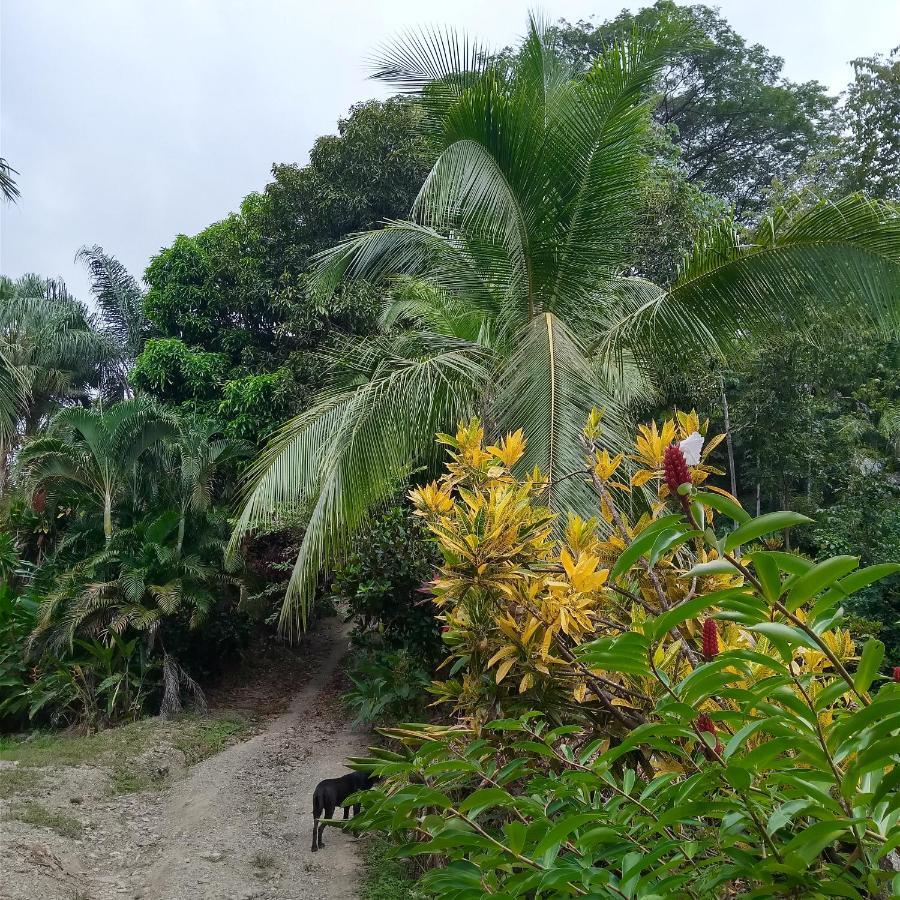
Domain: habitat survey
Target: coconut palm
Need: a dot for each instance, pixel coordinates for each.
(92, 453)
(529, 308)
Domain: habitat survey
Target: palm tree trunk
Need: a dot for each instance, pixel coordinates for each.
(107, 516)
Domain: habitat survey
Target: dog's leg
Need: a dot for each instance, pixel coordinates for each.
(356, 808)
(317, 811)
(329, 814)
(346, 811)
(315, 827)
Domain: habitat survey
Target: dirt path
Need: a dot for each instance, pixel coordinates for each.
(235, 826)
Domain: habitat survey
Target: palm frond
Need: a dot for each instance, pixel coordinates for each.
(839, 256)
(548, 387)
(119, 297)
(353, 450)
(8, 187)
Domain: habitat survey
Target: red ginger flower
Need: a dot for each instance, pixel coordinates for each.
(710, 639)
(675, 468)
(897, 674)
(705, 723)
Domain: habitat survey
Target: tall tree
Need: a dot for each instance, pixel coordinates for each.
(738, 123)
(121, 303)
(523, 235)
(51, 355)
(250, 271)
(873, 117)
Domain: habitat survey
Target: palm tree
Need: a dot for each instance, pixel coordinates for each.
(203, 457)
(92, 453)
(528, 309)
(137, 580)
(8, 187)
(122, 320)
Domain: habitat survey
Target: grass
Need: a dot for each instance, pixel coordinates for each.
(385, 878)
(18, 781)
(118, 749)
(66, 749)
(210, 736)
(264, 861)
(40, 817)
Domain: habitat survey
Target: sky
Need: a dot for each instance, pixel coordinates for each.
(132, 121)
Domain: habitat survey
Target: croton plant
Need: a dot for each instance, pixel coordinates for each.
(648, 703)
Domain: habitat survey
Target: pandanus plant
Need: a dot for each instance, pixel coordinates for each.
(521, 302)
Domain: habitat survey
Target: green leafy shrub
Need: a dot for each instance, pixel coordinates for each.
(688, 720)
(388, 686)
(253, 406)
(383, 585)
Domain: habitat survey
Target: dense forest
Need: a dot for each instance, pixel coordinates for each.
(531, 255)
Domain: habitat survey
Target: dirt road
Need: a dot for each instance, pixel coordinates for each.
(235, 826)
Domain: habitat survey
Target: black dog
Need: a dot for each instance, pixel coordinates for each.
(332, 792)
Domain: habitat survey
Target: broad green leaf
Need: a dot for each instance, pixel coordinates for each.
(767, 572)
(763, 525)
(819, 577)
(784, 634)
(810, 842)
(642, 544)
(859, 580)
(688, 610)
(480, 800)
(869, 663)
(721, 504)
(714, 567)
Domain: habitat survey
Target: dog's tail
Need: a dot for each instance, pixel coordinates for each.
(318, 806)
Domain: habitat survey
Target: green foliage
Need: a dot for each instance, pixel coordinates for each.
(762, 762)
(383, 586)
(388, 685)
(237, 330)
(385, 878)
(818, 433)
(201, 283)
(51, 355)
(736, 121)
(872, 112)
(253, 406)
(525, 234)
(170, 370)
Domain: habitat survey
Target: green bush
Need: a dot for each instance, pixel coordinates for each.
(388, 686)
(383, 586)
(679, 718)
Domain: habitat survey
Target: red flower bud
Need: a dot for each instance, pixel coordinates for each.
(675, 468)
(705, 723)
(445, 629)
(710, 639)
(897, 674)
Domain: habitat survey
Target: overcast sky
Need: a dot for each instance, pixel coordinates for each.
(132, 121)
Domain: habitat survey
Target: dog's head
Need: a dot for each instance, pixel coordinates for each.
(370, 779)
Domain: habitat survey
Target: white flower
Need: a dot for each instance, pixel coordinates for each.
(691, 447)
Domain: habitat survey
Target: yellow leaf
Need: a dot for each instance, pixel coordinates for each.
(503, 669)
(502, 653)
(641, 477)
